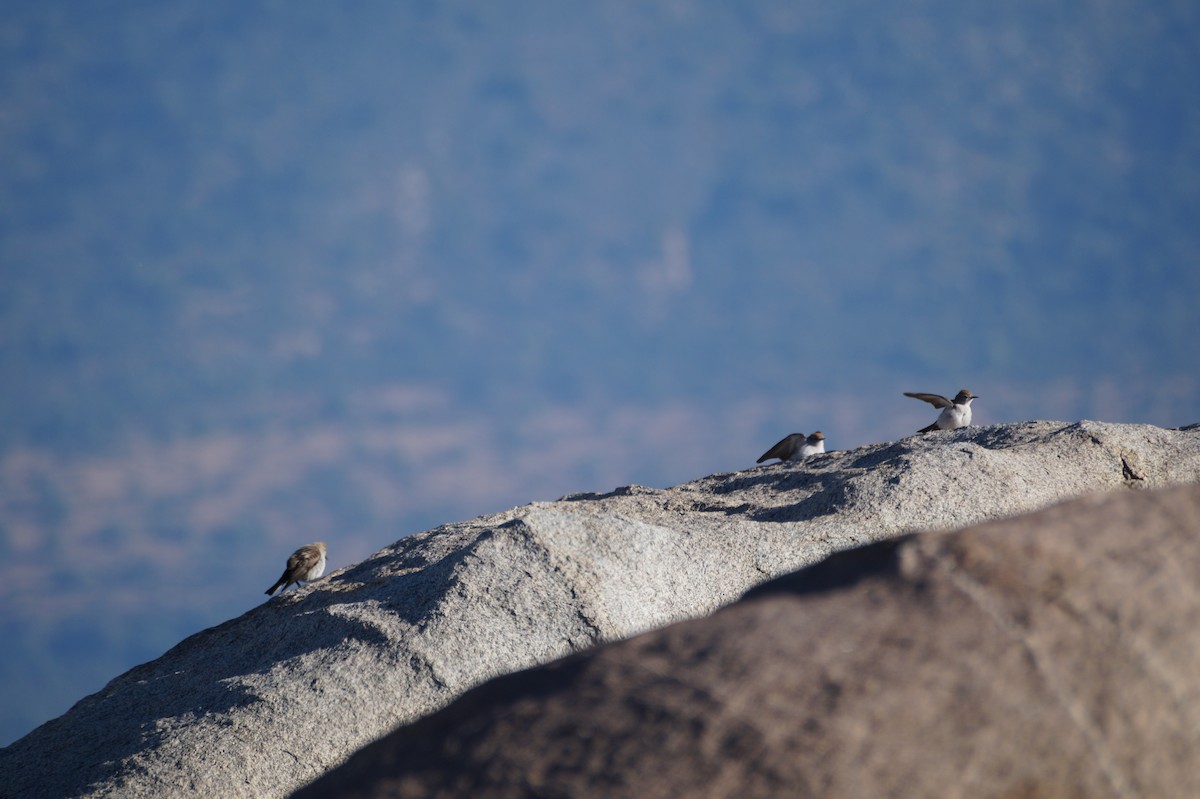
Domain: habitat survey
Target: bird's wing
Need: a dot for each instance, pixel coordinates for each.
(936, 400)
(303, 559)
(783, 449)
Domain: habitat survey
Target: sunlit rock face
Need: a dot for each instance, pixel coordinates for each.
(1051, 654)
(269, 701)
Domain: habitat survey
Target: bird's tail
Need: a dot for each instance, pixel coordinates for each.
(929, 429)
(275, 587)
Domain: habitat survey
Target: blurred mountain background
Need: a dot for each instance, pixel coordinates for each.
(274, 272)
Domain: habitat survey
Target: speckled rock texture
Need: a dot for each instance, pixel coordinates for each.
(1051, 655)
(266, 702)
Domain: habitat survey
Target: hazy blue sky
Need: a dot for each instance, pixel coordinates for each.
(272, 272)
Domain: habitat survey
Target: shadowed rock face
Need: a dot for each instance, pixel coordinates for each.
(265, 703)
(1051, 655)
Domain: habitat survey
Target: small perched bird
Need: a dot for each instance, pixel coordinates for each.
(795, 447)
(955, 413)
(306, 563)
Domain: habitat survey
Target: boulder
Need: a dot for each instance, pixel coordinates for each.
(266, 702)
(1051, 655)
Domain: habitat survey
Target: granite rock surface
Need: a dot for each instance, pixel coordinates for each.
(1050, 655)
(267, 702)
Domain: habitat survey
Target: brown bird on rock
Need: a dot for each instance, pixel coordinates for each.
(306, 563)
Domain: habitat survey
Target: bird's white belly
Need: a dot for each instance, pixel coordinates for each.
(316, 571)
(953, 417)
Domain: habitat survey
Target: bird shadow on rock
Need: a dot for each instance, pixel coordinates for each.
(825, 484)
(837, 485)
